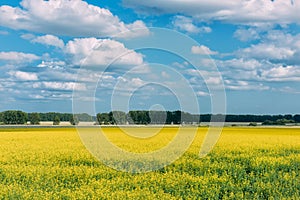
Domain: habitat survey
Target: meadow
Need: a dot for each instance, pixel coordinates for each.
(246, 163)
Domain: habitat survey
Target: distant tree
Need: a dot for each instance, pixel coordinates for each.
(139, 117)
(34, 118)
(56, 120)
(1, 117)
(84, 117)
(103, 118)
(297, 118)
(278, 122)
(252, 124)
(268, 122)
(117, 117)
(14, 117)
(158, 117)
(74, 120)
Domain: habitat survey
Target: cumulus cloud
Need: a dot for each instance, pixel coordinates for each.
(52, 64)
(53, 85)
(101, 52)
(253, 12)
(63, 17)
(203, 50)
(288, 89)
(24, 76)
(186, 24)
(202, 94)
(281, 73)
(18, 57)
(246, 34)
(244, 85)
(266, 51)
(49, 40)
(241, 63)
(276, 46)
(259, 71)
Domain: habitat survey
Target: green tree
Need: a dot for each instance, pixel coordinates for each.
(1, 117)
(74, 120)
(103, 118)
(56, 120)
(252, 124)
(34, 118)
(14, 117)
(117, 117)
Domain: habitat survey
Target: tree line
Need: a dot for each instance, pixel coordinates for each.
(179, 117)
(141, 117)
(19, 117)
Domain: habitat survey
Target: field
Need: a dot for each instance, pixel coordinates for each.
(246, 163)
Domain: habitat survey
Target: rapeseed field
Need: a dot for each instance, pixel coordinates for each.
(246, 163)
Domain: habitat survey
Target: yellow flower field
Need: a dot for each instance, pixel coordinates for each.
(246, 163)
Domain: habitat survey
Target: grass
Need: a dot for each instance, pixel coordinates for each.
(246, 163)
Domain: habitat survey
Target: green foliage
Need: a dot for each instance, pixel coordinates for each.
(281, 122)
(139, 117)
(164, 117)
(74, 120)
(56, 120)
(103, 118)
(1, 117)
(51, 115)
(252, 124)
(14, 117)
(34, 118)
(84, 117)
(118, 117)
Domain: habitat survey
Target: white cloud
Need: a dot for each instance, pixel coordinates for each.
(50, 40)
(267, 51)
(275, 46)
(288, 73)
(213, 80)
(36, 96)
(180, 65)
(24, 76)
(54, 85)
(244, 64)
(202, 94)
(203, 50)
(52, 64)
(27, 36)
(244, 85)
(101, 52)
(137, 82)
(246, 34)
(128, 84)
(18, 57)
(253, 12)
(64, 17)
(186, 24)
(288, 89)
(165, 75)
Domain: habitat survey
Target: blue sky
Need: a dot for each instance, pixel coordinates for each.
(52, 51)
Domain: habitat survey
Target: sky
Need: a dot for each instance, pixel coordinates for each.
(199, 56)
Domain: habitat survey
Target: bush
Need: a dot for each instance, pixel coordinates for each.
(279, 122)
(252, 124)
(74, 120)
(56, 120)
(34, 118)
